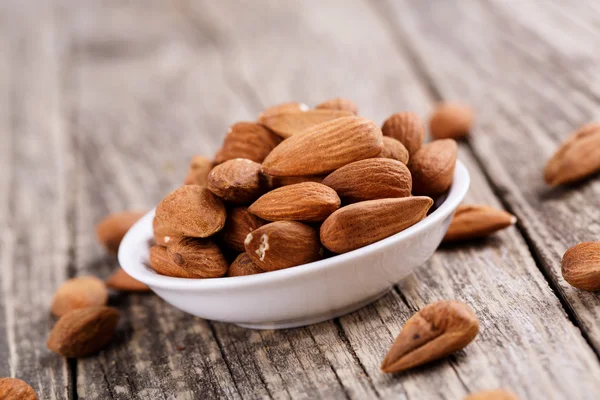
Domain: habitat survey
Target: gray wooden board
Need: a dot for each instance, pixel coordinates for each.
(148, 84)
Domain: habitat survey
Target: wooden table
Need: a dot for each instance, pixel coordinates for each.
(102, 104)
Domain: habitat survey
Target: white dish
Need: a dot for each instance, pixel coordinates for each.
(300, 295)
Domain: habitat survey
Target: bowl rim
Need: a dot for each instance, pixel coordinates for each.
(139, 235)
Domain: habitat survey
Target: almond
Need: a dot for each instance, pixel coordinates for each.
(247, 140)
(162, 264)
(577, 158)
(581, 266)
(191, 211)
(237, 181)
(240, 222)
(394, 149)
(111, 229)
(292, 123)
(432, 168)
(339, 104)
(122, 281)
(407, 128)
(198, 171)
(282, 109)
(370, 179)
(243, 265)
(16, 389)
(283, 244)
(436, 331)
(476, 221)
(162, 235)
(279, 181)
(367, 222)
(84, 331)
(325, 147)
(308, 201)
(81, 292)
(497, 394)
(201, 258)
(451, 121)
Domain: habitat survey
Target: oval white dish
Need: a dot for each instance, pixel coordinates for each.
(300, 295)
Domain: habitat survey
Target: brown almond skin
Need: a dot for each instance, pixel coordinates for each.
(111, 229)
(275, 182)
(432, 168)
(247, 140)
(394, 149)
(338, 103)
(361, 224)
(16, 389)
(81, 292)
(198, 171)
(407, 128)
(370, 179)
(282, 108)
(122, 281)
(451, 121)
(291, 123)
(237, 181)
(199, 257)
(240, 222)
(191, 211)
(307, 201)
(84, 331)
(162, 234)
(325, 147)
(242, 266)
(436, 331)
(283, 244)
(497, 394)
(476, 221)
(576, 158)
(581, 266)
(162, 264)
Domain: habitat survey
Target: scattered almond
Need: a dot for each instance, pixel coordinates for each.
(577, 158)
(497, 394)
(283, 244)
(308, 201)
(121, 280)
(292, 123)
(201, 258)
(581, 266)
(325, 147)
(162, 264)
(84, 331)
(436, 331)
(432, 168)
(237, 181)
(282, 109)
(243, 265)
(198, 171)
(111, 229)
(339, 104)
(476, 221)
(240, 222)
(191, 211)
(81, 292)
(247, 140)
(394, 149)
(370, 179)
(367, 222)
(451, 121)
(162, 235)
(407, 128)
(16, 389)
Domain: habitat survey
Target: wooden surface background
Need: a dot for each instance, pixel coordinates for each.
(103, 103)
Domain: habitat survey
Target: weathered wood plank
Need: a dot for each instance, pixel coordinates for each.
(34, 205)
(533, 81)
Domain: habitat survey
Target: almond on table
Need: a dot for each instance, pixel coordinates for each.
(111, 229)
(451, 121)
(581, 266)
(16, 389)
(81, 292)
(122, 281)
(476, 221)
(497, 394)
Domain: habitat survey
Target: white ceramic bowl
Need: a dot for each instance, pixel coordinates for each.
(300, 295)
